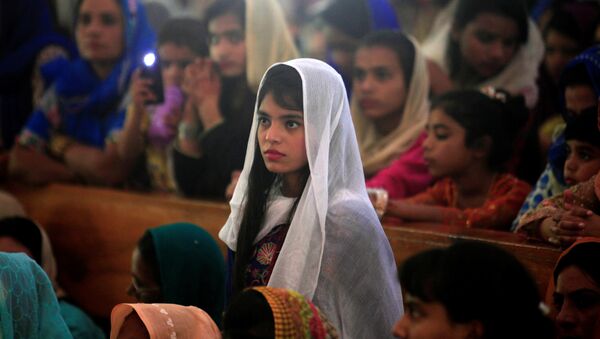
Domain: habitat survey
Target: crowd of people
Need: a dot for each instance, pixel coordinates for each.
(300, 114)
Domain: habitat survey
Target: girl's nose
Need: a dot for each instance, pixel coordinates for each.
(400, 328)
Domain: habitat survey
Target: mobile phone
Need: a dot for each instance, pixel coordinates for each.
(152, 70)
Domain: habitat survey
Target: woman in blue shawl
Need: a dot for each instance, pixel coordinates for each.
(27, 40)
(28, 306)
(72, 135)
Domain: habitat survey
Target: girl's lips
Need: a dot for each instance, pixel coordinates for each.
(367, 103)
(273, 155)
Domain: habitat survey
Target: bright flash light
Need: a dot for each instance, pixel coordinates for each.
(149, 59)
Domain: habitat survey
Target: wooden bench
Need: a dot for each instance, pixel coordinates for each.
(94, 231)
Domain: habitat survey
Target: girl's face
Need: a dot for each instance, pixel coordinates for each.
(143, 286)
(444, 149)
(378, 82)
(174, 58)
(583, 161)
(559, 50)
(428, 320)
(228, 45)
(100, 31)
(281, 137)
(578, 98)
(488, 43)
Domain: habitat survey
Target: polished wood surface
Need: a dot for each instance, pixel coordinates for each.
(94, 231)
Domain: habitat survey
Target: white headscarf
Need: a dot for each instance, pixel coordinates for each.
(378, 151)
(335, 251)
(518, 77)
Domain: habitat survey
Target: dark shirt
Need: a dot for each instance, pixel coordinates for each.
(223, 147)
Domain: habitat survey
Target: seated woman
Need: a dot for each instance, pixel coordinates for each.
(28, 305)
(179, 264)
(470, 290)
(576, 290)
(245, 38)
(300, 206)
(72, 135)
(28, 41)
(489, 43)
(268, 312)
(161, 321)
(580, 90)
(389, 109)
(469, 139)
(21, 235)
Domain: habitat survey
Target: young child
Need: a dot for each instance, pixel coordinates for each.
(469, 138)
(180, 42)
(583, 148)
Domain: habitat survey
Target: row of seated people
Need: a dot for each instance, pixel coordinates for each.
(468, 290)
(92, 127)
(301, 207)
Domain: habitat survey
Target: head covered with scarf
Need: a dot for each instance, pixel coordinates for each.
(28, 305)
(332, 212)
(276, 312)
(190, 266)
(165, 321)
(81, 99)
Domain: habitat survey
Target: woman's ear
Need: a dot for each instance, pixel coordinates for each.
(483, 146)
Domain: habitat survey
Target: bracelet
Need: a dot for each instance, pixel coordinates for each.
(187, 131)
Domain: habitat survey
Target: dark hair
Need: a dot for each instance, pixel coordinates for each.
(483, 116)
(26, 232)
(564, 23)
(399, 44)
(350, 17)
(285, 84)
(223, 7)
(478, 282)
(185, 32)
(576, 75)
(584, 127)
(249, 316)
(148, 255)
(584, 256)
(468, 10)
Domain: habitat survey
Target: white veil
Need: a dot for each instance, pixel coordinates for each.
(335, 251)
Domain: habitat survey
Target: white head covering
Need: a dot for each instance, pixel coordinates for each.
(335, 252)
(518, 77)
(379, 151)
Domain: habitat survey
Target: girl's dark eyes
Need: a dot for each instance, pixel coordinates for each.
(106, 19)
(441, 136)
(292, 124)
(485, 37)
(381, 74)
(263, 121)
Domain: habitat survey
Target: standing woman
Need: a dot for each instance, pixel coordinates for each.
(303, 182)
(72, 134)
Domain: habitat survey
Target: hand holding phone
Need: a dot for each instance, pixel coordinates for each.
(151, 70)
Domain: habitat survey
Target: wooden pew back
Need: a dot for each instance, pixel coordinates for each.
(94, 231)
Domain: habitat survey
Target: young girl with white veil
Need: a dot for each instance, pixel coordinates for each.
(300, 215)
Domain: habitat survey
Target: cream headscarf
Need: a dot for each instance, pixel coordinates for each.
(268, 39)
(167, 321)
(518, 77)
(379, 151)
(335, 253)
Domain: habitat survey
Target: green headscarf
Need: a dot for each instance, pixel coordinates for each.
(191, 266)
